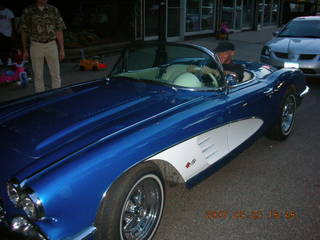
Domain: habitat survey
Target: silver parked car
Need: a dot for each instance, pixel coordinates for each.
(297, 45)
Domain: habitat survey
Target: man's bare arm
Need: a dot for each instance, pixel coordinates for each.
(24, 39)
(61, 44)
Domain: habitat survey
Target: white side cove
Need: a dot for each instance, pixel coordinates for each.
(198, 153)
(240, 131)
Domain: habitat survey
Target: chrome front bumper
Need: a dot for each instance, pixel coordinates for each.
(19, 226)
(311, 68)
(22, 227)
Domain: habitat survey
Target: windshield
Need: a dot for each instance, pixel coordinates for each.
(176, 65)
(302, 28)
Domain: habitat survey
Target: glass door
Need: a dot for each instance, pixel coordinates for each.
(207, 15)
(173, 18)
(151, 19)
(238, 14)
(193, 15)
(267, 12)
(274, 12)
(228, 13)
(247, 15)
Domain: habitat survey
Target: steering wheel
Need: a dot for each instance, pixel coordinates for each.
(214, 80)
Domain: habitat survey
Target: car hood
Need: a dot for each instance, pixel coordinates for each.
(69, 119)
(295, 45)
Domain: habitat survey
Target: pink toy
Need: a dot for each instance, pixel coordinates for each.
(224, 28)
(18, 74)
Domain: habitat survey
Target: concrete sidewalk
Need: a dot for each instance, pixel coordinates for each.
(248, 47)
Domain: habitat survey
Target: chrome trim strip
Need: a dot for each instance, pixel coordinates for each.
(306, 90)
(83, 234)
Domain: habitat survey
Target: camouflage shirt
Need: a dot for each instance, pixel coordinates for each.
(42, 25)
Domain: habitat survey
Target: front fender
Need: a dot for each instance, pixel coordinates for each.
(71, 190)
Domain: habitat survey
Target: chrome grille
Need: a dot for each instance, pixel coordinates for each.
(281, 55)
(307, 56)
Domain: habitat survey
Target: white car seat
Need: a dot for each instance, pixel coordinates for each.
(188, 80)
(173, 71)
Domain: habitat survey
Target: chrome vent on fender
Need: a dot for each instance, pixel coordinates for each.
(207, 147)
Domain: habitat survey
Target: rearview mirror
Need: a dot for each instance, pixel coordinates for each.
(275, 34)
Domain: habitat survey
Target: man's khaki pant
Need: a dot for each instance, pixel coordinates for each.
(48, 51)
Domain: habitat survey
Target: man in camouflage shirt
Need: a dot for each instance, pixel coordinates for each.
(42, 26)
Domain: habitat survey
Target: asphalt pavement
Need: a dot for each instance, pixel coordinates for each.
(271, 191)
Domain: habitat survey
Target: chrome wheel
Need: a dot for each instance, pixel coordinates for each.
(288, 112)
(142, 209)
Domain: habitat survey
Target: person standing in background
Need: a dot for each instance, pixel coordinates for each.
(6, 32)
(42, 26)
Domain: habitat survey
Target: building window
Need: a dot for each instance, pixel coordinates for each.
(173, 24)
(268, 12)
(151, 18)
(199, 15)
(207, 15)
(228, 12)
(248, 13)
(238, 14)
(274, 12)
(97, 22)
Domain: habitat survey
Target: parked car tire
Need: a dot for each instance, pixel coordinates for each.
(285, 121)
(133, 207)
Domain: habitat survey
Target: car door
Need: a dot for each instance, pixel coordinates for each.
(248, 108)
(207, 121)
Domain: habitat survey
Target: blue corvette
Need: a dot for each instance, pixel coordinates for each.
(90, 161)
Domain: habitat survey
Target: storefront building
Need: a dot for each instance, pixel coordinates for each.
(250, 14)
(183, 18)
(97, 22)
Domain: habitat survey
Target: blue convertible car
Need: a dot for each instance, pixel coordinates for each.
(91, 160)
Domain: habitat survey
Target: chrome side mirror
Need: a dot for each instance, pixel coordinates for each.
(231, 79)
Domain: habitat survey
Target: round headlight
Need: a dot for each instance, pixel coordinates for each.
(13, 194)
(32, 205)
(29, 207)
